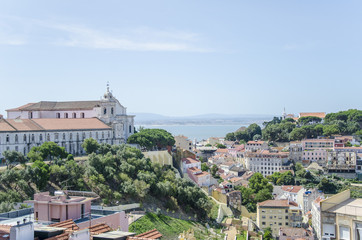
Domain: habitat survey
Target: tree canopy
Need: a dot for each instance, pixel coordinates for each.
(152, 139)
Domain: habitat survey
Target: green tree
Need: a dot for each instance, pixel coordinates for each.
(204, 167)
(309, 120)
(40, 174)
(152, 138)
(214, 169)
(257, 182)
(90, 145)
(298, 134)
(252, 130)
(13, 157)
(329, 130)
(263, 195)
(268, 234)
(219, 145)
(230, 137)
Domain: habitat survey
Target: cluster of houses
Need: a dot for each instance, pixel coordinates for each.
(293, 208)
(65, 215)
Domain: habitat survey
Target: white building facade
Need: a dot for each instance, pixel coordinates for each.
(265, 162)
(65, 123)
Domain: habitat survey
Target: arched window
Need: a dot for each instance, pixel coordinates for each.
(82, 115)
(112, 111)
(96, 135)
(7, 138)
(48, 137)
(90, 134)
(24, 138)
(105, 111)
(40, 137)
(63, 136)
(30, 115)
(74, 115)
(16, 138)
(32, 137)
(130, 129)
(70, 136)
(58, 115)
(77, 136)
(102, 135)
(83, 135)
(65, 115)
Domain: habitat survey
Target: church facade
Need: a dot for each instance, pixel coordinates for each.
(66, 123)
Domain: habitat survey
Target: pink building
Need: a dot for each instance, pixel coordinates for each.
(199, 177)
(60, 207)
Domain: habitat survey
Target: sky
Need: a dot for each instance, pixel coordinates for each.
(185, 57)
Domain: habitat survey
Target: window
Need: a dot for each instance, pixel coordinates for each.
(77, 136)
(74, 115)
(286, 217)
(112, 111)
(263, 223)
(102, 135)
(16, 148)
(63, 136)
(24, 138)
(90, 134)
(65, 115)
(280, 224)
(30, 115)
(56, 136)
(7, 138)
(82, 115)
(130, 129)
(16, 138)
(40, 137)
(32, 138)
(48, 137)
(58, 115)
(83, 135)
(105, 111)
(70, 136)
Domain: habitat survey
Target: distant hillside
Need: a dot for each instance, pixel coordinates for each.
(212, 118)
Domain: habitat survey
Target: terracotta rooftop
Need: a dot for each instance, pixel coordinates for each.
(69, 224)
(313, 114)
(153, 234)
(222, 150)
(4, 232)
(201, 174)
(51, 124)
(292, 189)
(53, 106)
(194, 169)
(255, 142)
(267, 153)
(294, 232)
(277, 203)
(189, 160)
(99, 228)
(63, 236)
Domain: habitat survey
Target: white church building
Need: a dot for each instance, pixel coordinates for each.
(65, 123)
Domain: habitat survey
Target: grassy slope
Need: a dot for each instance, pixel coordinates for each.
(168, 226)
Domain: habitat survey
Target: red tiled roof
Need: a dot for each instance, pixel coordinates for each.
(222, 150)
(20, 108)
(313, 114)
(69, 224)
(152, 234)
(276, 203)
(255, 142)
(51, 124)
(63, 236)
(4, 230)
(194, 169)
(292, 189)
(99, 228)
(189, 160)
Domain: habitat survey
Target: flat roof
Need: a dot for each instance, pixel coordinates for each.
(349, 207)
(114, 235)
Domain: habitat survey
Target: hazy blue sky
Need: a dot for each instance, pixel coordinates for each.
(184, 57)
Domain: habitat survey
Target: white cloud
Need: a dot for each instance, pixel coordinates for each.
(72, 35)
(79, 36)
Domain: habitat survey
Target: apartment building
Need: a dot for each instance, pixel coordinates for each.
(183, 142)
(340, 217)
(278, 213)
(341, 161)
(265, 161)
(256, 145)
